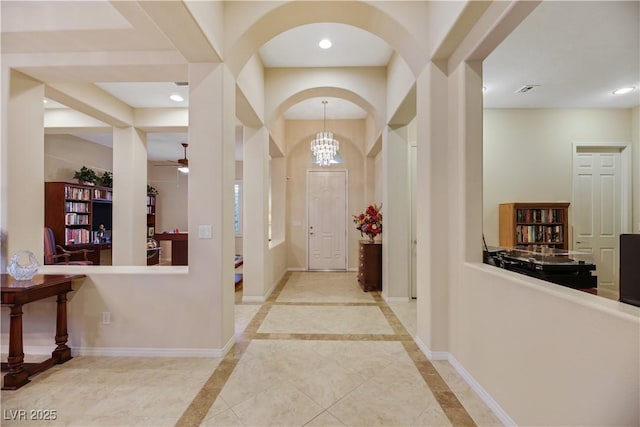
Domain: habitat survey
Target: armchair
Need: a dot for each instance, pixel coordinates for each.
(56, 254)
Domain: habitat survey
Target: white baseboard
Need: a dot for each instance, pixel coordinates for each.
(482, 393)
(431, 355)
(296, 269)
(153, 352)
(500, 413)
(253, 299)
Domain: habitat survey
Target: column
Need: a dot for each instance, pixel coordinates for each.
(212, 123)
(396, 248)
(129, 234)
(432, 209)
(22, 169)
(255, 282)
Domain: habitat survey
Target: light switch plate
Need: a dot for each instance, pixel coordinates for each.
(204, 232)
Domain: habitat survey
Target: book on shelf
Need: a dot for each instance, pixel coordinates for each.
(76, 193)
(76, 219)
(76, 236)
(78, 207)
(539, 234)
(542, 216)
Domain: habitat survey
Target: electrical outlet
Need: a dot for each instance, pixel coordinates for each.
(106, 317)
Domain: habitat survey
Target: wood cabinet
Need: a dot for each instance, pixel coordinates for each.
(370, 266)
(534, 226)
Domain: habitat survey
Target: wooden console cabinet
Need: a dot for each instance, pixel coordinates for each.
(370, 266)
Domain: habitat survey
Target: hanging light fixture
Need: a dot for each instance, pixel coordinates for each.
(324, 147)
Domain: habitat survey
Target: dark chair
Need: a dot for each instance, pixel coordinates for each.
(56, 254)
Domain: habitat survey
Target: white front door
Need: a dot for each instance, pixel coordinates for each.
(597, 209)
(327, 212)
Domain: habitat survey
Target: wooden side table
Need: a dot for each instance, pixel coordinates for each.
(370, 266)
(15, 294)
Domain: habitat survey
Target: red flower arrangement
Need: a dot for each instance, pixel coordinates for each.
(369, 222)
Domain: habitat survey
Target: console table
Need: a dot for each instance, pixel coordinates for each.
(15, 294)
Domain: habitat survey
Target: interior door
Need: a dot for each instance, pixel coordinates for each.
(597, 209)
(327, 212)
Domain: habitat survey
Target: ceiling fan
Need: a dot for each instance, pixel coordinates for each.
(183, 164)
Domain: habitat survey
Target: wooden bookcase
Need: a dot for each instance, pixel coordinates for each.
(153, 257)
(72, 210)
(151, 215)
(534, 225)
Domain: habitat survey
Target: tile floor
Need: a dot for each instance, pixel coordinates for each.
(319, 352)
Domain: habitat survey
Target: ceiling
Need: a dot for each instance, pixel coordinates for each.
(573, 53)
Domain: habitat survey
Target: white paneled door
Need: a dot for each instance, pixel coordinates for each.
(597, 208)
(327, 211)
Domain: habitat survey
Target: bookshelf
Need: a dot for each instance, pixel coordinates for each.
(153, 257)
(534, 226)
(73, 211)
(151, 215)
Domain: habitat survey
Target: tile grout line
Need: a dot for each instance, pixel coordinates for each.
(201, 404)
(451, 406)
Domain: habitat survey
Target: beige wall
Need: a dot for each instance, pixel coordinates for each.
(65, 154)
(350, 133)
(547, 354)
(528, 154)
(171, 202)
(239, 166)
(635, 137)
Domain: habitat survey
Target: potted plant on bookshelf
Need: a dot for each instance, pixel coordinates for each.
(106, 180)
(151, 190)
(86, 176)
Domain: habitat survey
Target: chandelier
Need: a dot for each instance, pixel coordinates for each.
(324, 147)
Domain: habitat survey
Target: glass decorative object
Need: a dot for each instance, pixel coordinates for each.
(23, 271)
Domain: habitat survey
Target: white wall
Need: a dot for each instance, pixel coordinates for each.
(528, 154)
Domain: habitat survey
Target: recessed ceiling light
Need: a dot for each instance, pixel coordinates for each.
(44, 101)
(623, 90)
(325, 43)
(176, 98)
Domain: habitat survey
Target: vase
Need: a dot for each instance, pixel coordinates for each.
(23, 271)
(372, 239)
